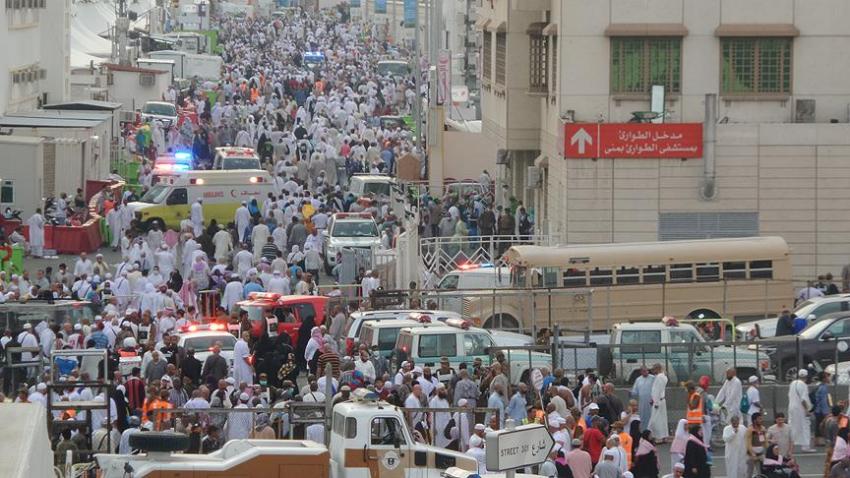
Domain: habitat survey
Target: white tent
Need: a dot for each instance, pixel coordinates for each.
(26, 449)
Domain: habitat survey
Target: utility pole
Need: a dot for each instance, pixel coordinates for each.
(417, 78)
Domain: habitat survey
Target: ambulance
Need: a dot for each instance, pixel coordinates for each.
(229, 158)
(170, 200)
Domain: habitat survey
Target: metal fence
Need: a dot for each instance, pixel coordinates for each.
(439, 255)
(771, 360)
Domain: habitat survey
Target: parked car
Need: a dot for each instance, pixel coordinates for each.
(810, 309)
(633, 345)
(819, 344)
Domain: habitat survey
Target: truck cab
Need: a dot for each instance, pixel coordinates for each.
(460, 342)
(679, 348)
(372, 439)
(282, 314)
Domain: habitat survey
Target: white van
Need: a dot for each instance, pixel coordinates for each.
(170, 200)
(381, 335)
(355, 322)
(236, 158)
(476, 276)
(374, 184)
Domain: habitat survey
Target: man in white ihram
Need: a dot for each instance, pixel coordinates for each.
(36, 228)
(242, 370)
(197, 217)
(658, 420)
(730, 394)
(799, 408)
(242, 219)
(735, 450)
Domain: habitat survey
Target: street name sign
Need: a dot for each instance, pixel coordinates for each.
(522, 446)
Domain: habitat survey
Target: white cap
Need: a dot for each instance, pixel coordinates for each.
(803, 373)
(479, 426)
(753, 379)
(243, 397)
(230, 380)
(27, 326)
(593, 406)
(41, 387)
(462, 402)
(475, 441)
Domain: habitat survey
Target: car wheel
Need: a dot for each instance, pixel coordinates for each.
(789, 371)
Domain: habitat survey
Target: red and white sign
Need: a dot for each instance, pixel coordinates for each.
(633, 140)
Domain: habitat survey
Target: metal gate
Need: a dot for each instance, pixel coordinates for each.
(439, 255)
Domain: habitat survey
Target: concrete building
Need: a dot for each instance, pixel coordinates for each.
(779, 71)
(35, 63)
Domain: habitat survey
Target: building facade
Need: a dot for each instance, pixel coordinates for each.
(778, 71)
(34, 65)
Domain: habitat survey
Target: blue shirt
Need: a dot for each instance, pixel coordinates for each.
(252, 287)
(100, 340)
(495, 401)
(822, 400)
(516, 408)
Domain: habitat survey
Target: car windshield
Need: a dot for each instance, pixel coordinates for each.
(205, 342)
(393, 68)
(806, 308)
(354, 229)
(813, 330)
(155, 195)
(159, 109)
(240, 163)
(377, 189)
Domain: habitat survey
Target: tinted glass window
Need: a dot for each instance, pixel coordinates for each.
(449, 282)
(708, 272)
(681, 273)
(734, 270)
(628, 275)
(600, 277)
(386, 338)
(475, 344)
(437, 345)
(575, 278)
(640, 341)
(761, 270)
(386, 431)
(178, 196)
(654, 274)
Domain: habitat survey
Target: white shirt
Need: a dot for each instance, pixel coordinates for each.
(366, 368)
(753, 396)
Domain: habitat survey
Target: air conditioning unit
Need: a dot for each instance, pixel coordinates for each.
(533, 177)
(805, 111)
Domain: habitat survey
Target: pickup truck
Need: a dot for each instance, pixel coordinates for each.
(367, 438)
(820, 343)
(680, 349)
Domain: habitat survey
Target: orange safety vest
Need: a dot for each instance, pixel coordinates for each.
(694, 415)
(626, 443)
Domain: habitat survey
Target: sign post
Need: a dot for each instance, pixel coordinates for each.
(517, 447)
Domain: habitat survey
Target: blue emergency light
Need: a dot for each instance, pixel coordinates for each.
(183, 157)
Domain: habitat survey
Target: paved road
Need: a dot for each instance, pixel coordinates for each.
(811, 464)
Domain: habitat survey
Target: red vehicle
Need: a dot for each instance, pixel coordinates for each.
(289, 312)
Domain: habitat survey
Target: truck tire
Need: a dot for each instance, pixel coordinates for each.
(159, 441)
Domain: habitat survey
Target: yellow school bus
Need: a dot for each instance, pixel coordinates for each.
(596, 286)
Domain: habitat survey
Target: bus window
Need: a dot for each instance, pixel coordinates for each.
(708, 272)
(654, 274)
(628, 275)
(550, 276)
(761, 269)
(600, 277)
(735, 270)
(681, 273)
(575, 278)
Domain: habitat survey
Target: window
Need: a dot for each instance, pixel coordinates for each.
(575, 278)
(756, 66)
(628, 275)
(840, 328)
(476, 344)
(640, 341)
(7, 192)
(518, 278)
(830, 308)
(550, 276)
(343, 426)
(387, 431)
(437, 345)
(600, 277)
(708, 272)
(553, 83)
(501, 54)
(386, 338)
(683, 337)
(735, 270)
(761, 269)
(487, 56)
(449, 282)
(639, 63)
(681, 272)
(654, 274)
(538, 51)
(178, 196)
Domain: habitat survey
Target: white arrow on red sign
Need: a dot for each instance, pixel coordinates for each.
(583, 138)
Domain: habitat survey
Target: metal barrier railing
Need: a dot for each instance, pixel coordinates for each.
(439, 255)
